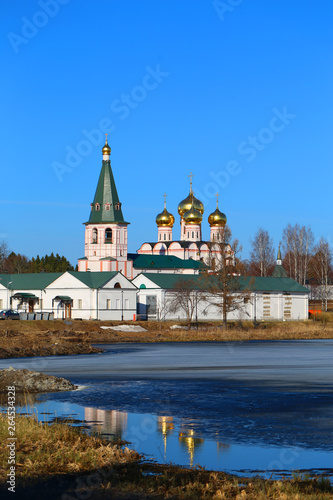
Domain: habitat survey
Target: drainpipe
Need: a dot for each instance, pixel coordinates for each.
(96, 303)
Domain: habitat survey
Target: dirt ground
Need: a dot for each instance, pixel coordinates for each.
(45, 338)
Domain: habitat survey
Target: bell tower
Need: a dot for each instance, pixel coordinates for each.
(106, 229)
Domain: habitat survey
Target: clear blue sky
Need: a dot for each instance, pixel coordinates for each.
(240, 95)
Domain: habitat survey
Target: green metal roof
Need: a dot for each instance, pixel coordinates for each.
(39, 281)
(21, 295)
(106, 192)
(64, 298)
(28, 281)
(279, 272)
(165, 262)
(94, 279)
(256, 284)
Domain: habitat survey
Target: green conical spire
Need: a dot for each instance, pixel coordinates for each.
(106, 206)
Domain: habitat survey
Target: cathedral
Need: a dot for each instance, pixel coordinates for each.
(190, 245)
(106, 230)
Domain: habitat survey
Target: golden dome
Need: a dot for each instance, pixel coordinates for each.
(192, 216)
(217, 218)
(186, 205)
(165, 218)
(106, 150)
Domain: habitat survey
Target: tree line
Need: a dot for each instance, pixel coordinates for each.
(15, 263)
(305, 260)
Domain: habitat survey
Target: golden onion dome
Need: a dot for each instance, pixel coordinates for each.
(165, 219)
(192, 216)
(217, 218)
(186, 205)
(106, 150)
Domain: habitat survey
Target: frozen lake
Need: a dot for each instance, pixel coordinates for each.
(240, 407)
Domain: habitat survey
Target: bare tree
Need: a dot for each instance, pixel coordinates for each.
(297, 245)
(223, 283)
(262, 254)
(3, 255)
(186, 296)
(321, 267)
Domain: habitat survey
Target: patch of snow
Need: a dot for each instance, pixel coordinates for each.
(126, 328)
(178, 327)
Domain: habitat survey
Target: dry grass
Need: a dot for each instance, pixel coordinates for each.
(87, 467)
(31, 338)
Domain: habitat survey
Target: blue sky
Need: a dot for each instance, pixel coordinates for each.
(238, 91)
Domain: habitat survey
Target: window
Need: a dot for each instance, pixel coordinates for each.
(164, 236)
(117, 206)
(91, 206)
(79, 303)
(127, 304)
(118, 304)
(1, 304)
(117, 285)
(94, 235)
(107, 206)
(197, 234)
(108, 303)
(169, 236)
(192, 234)
(97, 207)
(108, 235)
(41, 304)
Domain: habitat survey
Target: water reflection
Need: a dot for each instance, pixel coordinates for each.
(188, 440)
(176, 433)
(165, 426)
(107, 422)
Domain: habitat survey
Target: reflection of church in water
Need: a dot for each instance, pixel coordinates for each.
(107, 421)
(113, 422)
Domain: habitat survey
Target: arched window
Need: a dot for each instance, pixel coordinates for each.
(107, 206)
(94, 235)
(117, 285)
(97, 207)
(108, 235)
(117, 206)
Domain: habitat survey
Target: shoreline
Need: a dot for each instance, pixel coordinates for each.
(57, 338)
(77, 463)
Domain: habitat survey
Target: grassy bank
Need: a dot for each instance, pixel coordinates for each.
(60, 460)
(45, 338)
